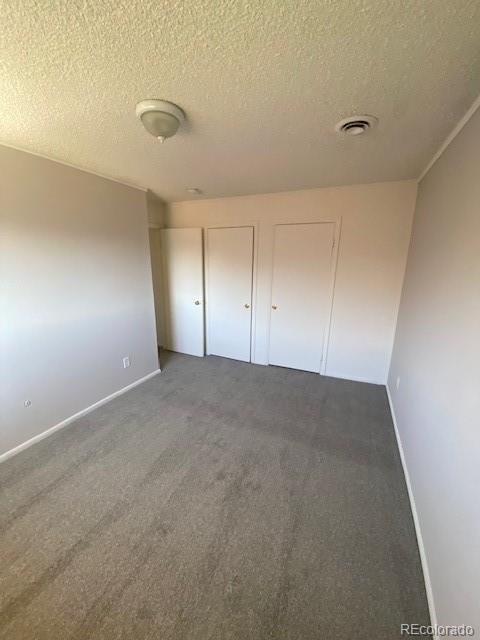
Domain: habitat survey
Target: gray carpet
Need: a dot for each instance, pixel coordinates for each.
(219, 500)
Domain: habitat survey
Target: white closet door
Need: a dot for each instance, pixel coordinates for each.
(229, 292)
(182, 251)
(301, 294)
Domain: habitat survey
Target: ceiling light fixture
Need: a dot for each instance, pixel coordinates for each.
(160, 118)
(194, 191)
(356, 125)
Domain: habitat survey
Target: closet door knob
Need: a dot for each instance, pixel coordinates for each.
(247, 306)
(274, 307)
(197, 302)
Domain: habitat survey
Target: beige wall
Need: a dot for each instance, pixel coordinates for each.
(157, 279)
(437, 361)
(156, 219)
(76, 292)
(375, 230)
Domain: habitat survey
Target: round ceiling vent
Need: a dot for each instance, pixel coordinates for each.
(356, 125)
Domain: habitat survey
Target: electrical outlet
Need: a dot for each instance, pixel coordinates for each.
(27, 403)
(126, 362)
(398, 382)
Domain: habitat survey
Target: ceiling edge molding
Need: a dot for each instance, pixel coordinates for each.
(453, 134)
(74, 166)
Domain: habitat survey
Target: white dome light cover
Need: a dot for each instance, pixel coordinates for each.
(160, 118)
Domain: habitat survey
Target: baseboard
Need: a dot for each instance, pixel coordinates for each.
(418, 531)
(69, 420)
(380, 383)
(354, 378)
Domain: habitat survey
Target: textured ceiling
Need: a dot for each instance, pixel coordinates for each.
(263, 83)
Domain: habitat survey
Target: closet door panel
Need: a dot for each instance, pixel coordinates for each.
(182, 251)
(229, 292)
(301, 290)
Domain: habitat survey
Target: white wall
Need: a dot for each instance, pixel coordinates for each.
(437, 358)
(375, 230)
(76, 292)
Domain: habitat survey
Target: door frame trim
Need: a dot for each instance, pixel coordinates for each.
(255, 228)
(337, 225)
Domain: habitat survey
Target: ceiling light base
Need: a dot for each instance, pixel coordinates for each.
(160, 118)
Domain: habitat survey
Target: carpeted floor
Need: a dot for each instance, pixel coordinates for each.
(219, 500)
